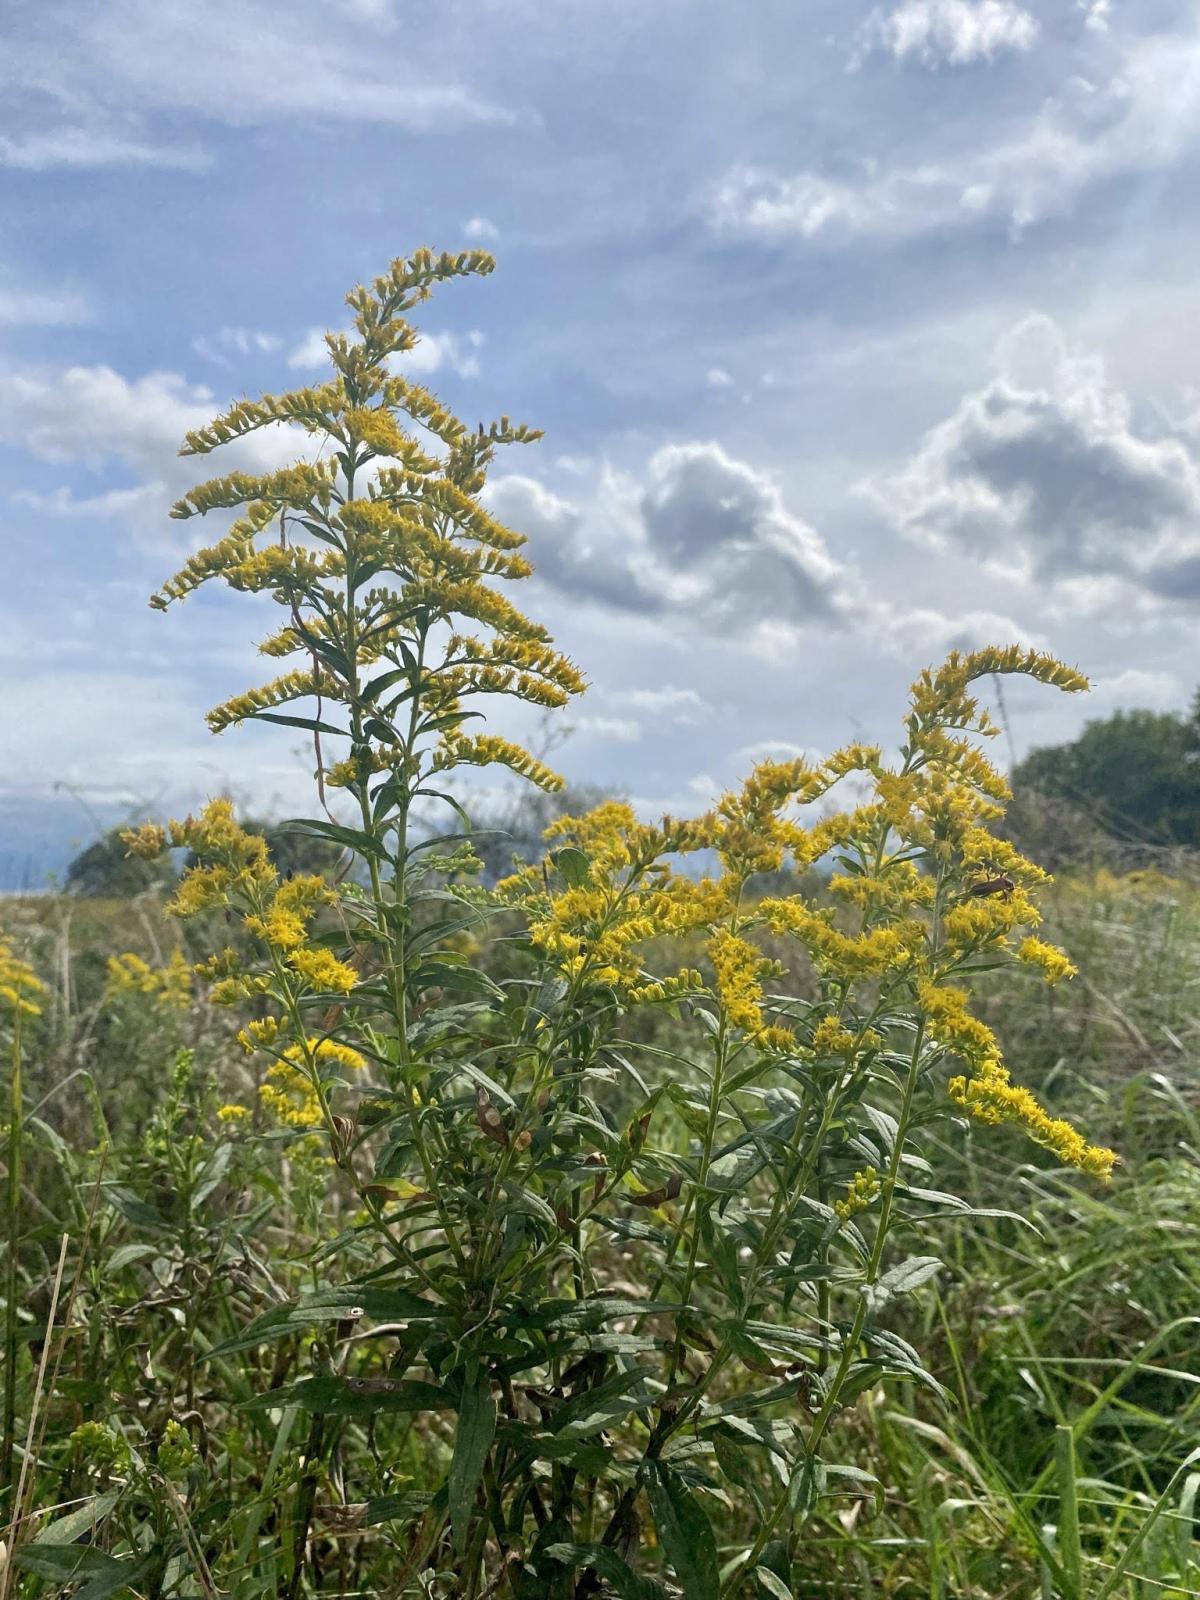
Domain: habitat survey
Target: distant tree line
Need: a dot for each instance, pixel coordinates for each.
(1135, 776)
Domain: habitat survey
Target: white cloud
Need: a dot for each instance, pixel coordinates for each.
(84, 148)
(482, 229)
(698, 534)
(459, 352)
(235, 342)
(44, 308)
(1155, 691)
(119, 735)
(953, 32)
(929, 635)
(769, 750)
(1044, 474)
(94, 417)
(718, 378)
(1141, 119)
(61, 502)
(683, 706)
(239, 62)
(623, 729)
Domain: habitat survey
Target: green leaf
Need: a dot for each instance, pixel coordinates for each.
(309, 724)
(364, 844)
(908, 1275)
(476, 1430)
(211, 1173)
(396, 1507)
(66, 1563)
(354, 1397)
(84, 1519)
(328, 1305)
(772, 1583)
(608, 1565)
(133, 1209)
(573, 866)
(684, 1531)
(596, 1408)
(127, 1254)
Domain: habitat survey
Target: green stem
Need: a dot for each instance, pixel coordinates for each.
(850, 1344)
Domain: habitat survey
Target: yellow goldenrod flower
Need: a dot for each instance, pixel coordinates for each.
(830, 1038)
(290, 1095)
(326, 1050)
(172, 984)
(20, 986)
(259, 1034)
(736, 967)
(991, 1097)
(950, 1023)
(862, 1189)
(323, 971)
(148, 841)
(1053, 963)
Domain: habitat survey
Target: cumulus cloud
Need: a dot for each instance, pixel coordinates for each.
(1045, 474)
(1138, 120)
(952, 32)
(482, 229)
(93, 417)
(699, 533)
(459, 352)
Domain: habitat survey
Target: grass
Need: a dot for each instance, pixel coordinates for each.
(1065, 1330)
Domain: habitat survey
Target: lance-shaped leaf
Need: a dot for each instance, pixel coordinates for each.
(476, 1430)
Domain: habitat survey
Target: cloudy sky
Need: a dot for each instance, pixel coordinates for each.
(857, 332)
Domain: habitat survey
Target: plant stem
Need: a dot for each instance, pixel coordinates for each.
(850, 1344)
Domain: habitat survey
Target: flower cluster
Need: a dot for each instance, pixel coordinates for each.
(922, 888)
(20, 987)
(232, 871)
(396, 502)
(170, 984)
(991, 1097)
(861, 1190)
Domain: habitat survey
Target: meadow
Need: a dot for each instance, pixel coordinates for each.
(798, 1199)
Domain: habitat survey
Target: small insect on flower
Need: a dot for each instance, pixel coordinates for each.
(1001, 884)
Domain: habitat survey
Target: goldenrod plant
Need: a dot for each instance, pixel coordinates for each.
(581, 1305)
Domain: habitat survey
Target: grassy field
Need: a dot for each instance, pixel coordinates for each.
(1065, 1336)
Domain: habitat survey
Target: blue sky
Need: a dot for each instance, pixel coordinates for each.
(857, 332)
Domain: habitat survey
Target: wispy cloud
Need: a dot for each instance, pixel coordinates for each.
(88, 147)
(46, 308)
(228, 343)
(1139, 119)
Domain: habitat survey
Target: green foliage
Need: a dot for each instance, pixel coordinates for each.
(1137, 773)
(105, 869)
